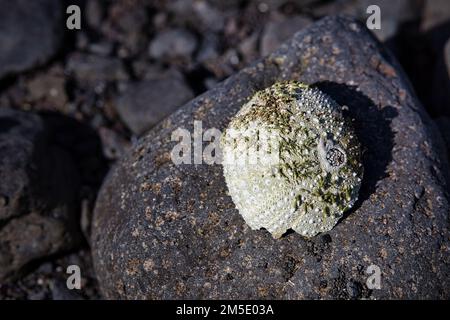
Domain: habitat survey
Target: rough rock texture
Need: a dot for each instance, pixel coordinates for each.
(30, 33)
(275, 33)
(38, 190)
(166, 231)
(146, 103)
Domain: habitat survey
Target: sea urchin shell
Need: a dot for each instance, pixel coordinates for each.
(291, 160)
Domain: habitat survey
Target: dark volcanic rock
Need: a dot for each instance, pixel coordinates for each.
(38, 190)
(277, 32)
(48, 281)
(30, 33)
(167, 231)
(146, 103)
(91, 70)
(174, 43)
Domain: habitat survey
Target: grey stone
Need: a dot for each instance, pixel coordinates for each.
(203, 16)
(145, 103)
(167, 231)
(125, 24)
(61, 292)
(92, 70)
(275, 33)
(114, 146)
(211, 18)
(102, 49)
(209, 49)
(40, 295)
(173, 43)
(38, 188)
(435, 14)
(48, 89)
(94, 13)
(249, 48)
(48, 281)
(443, 124)
(440, 97)
(30, 34)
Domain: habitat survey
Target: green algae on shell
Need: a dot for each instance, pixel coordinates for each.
(291, 160)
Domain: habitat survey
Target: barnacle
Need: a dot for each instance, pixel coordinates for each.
(291, 160)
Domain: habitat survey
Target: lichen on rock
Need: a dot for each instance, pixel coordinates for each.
(291, 160)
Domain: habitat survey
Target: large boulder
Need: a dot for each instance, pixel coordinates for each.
(162, 230)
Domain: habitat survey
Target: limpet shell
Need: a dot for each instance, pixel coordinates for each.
(291, 160)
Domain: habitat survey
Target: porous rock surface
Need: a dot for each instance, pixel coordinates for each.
(147, 102)
(167, 231)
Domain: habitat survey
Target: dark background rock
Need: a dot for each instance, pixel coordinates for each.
(47, 280)
(39, 188)
(162, 231)
(443, 124)
(30, 33)
(146, 103)
(393, 13)
(111, 49)
(436, 13)
(176, 43)
(441, 82)
(125, 25)
(421, 50)
(90, 70)
(48, 89)
(277, 32)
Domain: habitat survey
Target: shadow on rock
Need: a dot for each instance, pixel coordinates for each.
(83, 144)
(373, 128)
(422, 54)
(50, 170)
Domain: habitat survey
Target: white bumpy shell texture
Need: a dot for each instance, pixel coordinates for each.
(291, 160)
